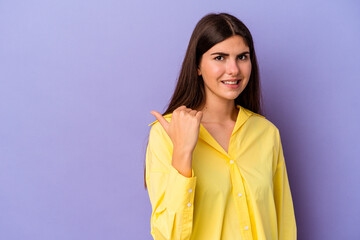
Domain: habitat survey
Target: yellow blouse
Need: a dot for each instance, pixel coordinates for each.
(240, 194)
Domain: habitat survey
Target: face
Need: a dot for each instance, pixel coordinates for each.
(225, 69)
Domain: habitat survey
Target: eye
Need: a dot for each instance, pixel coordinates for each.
(243, 57)
(219, 58)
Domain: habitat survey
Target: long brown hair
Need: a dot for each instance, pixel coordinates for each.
(210, 30)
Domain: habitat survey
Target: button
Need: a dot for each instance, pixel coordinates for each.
(239, 194)
(231, 161)
(246, 227)
(190, 190)
(189, 204)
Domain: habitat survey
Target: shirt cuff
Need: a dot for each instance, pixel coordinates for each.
(180, 190)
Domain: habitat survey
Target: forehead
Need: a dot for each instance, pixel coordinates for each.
(232, 44)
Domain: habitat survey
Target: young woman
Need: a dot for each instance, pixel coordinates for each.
(214, 165)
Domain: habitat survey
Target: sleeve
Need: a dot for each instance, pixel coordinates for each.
(171, 194)
(286, 223)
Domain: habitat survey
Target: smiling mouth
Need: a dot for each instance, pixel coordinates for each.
(231, 82)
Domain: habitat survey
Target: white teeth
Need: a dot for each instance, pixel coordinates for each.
(230, 82)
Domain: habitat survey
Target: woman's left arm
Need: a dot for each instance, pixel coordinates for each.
(286, 223)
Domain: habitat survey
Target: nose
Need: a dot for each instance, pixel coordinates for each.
(232, 67)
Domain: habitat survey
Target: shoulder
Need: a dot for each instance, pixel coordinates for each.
(260, 121)
(261, 126)
(263, 130)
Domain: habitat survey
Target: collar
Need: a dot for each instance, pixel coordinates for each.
(242, 117)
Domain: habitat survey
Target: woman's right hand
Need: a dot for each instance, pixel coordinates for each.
(183, 131)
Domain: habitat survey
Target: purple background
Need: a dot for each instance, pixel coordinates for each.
(78, 80)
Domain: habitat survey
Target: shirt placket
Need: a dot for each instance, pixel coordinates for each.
(239, 195)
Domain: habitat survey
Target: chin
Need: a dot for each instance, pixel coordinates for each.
(231, 97)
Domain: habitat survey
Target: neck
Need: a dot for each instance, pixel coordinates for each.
(219, 112)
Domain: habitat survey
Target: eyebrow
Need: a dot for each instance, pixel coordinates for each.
(226, 54)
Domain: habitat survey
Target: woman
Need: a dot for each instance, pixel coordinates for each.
(214, 165)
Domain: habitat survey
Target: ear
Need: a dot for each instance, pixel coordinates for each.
(199, 72)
